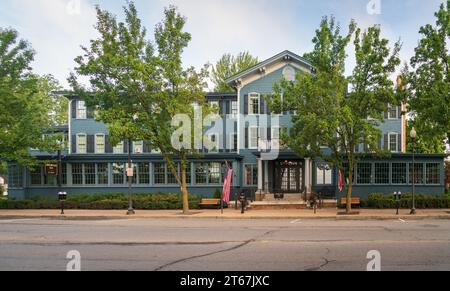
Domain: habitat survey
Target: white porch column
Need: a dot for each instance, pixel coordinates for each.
(260, 175)
(266, 176)
(308, 176)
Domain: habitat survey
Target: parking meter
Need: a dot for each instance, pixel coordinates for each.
(62, 196)
(398, 197)
(242, 199)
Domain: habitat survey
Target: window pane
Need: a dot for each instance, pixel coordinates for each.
(170, 177)
(118, 173)
(393, 112)
(433, 173)
(102, 174)
(144, 173)
(81, 140)
(118, 149)
(381, 173)
(393, 139)
(159, 173)
(36, 176)
(234, 109)
(418, 173)
(15, 176)
(251, 175)
(253, 137)
(188, 173)
(89, 174)
(364, 173)
(138, 147)
(100, 144)
(77, 174)
(200, 173)
(399, 173)
(214, 173)
(81, 110)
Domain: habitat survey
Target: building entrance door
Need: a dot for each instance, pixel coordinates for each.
(289, 176)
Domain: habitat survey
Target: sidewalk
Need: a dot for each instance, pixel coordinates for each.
(365, 214)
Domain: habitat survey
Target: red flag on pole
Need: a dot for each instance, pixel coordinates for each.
(341, 181)
(227, 186)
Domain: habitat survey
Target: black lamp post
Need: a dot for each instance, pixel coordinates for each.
(130, 174)
(413, 138)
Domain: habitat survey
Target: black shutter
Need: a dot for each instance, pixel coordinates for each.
(399, 145)
(125, 146)
(366, 148)
(268, 105)
(74, 109)
(386, 141)
(74, 144)
(269, 133)
(91, 144)
(386, 115)
(222, 108)
(262, 103)
(108, 146)
(228, 107)
(246, 138)
(380, 143)
(246, 104)
(400, 113)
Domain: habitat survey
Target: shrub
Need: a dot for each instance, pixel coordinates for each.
(382, 201)
(106, 202)
(217, 194)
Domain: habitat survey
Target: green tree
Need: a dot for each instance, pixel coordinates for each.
(26, 102)
(137, 91)
(429, 81)
(326, 112)
(228, 66)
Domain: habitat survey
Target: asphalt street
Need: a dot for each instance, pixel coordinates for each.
(223, 245)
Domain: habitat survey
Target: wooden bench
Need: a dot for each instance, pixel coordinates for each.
(356, 201)
(207, 203)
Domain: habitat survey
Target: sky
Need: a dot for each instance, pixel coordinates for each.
(57, 29)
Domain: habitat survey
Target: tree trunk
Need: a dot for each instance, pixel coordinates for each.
(184, 190)
(349, 191)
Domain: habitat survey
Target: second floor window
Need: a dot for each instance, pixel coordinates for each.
(138, 147)
(234, 109)
(253, 104)
(393, 142)
(393, 112)
(81, 110)
(81, 144)
(99, 144)
(253, 137)
(118, 149)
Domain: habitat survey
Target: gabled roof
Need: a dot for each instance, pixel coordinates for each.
(276, 58)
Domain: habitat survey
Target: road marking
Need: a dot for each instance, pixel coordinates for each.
(402, 220)
(17, 220)
(296, 221)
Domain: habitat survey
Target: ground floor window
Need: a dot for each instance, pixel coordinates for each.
(118, 171)
(36, 176)
(418, 173)
(201, 170)
(102, 174)
(433, 174)
(324, 174)
(15, 176)
(77, 174)
(364, 173)
(89, 174)
(144, 173)
(382, 173)
(171, 179)
(159, 173)
(251, 175)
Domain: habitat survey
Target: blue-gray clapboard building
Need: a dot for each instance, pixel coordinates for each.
(92, 165)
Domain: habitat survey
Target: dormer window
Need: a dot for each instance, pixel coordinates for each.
(254, 104)
(393, 112)
(81, 110)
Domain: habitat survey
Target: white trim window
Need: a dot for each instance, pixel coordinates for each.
(234, 109)
(393, 142)
(138, 147)
(324, 175)
(81, 110)
(392, 112)
(118, 149)
(81, 143)
(276, 140)
(254, 103)
(99, 143)
(253, 138)
(213, 143)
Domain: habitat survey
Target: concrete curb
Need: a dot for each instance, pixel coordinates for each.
(218, 217)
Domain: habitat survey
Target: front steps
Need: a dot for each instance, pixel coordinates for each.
(290, 201)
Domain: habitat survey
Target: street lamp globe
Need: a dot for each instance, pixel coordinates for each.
(413, 133)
